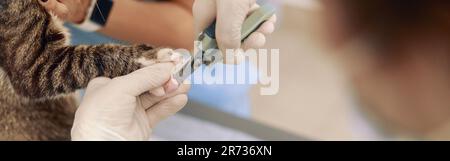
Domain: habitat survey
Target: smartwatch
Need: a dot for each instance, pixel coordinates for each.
(97, 15)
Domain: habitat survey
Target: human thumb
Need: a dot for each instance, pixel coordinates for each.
(145, 79)
(231, 15)
(204, 12)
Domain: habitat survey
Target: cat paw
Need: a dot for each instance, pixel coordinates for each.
(168, 55)
(163, 55)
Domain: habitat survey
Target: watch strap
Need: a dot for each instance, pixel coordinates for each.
(101, 11)
(97, 15)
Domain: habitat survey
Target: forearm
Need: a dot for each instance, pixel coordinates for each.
(187, 4)
(159, 23)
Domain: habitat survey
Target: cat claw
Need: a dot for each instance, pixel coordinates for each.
(165, 55)
(169, 55)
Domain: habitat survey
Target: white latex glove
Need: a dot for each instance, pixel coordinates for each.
(124, 109)
(230, 15)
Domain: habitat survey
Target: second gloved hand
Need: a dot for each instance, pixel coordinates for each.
(230, 15)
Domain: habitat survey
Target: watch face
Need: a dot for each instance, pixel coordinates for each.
(101, 11)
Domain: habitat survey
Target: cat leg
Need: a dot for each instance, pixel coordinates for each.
(64, 70)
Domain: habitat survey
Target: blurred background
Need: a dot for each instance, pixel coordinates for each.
(384, 78)
(391, 81)
(313, 100)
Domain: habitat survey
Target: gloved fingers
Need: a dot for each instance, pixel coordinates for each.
(142, 122)
(56, 7)
(166, 108)
(204, 12)
(273, 19)
(254, 41)
(148, 100)
(229, 24)
(144, 80)
(97, 83)
(258, 38)
(171, 86)
(267, 27)
(253, 8)
(158, 92)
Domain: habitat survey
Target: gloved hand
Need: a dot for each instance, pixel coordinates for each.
(124, 109)
(230, 15)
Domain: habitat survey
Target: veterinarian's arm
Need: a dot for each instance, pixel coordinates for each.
(230, 16)
(164, 23)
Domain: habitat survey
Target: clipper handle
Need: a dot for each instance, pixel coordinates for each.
(251, 24)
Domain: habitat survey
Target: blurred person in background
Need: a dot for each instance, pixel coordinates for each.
(397, 55)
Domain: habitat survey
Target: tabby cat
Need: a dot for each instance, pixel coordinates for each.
(39, 70)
